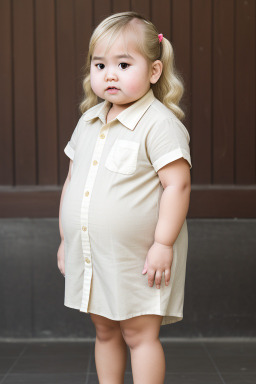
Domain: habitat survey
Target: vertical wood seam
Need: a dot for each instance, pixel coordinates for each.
(234, 100)
(57, 93)
(35, 93)
(12, 90)
(212, 92)
(191, 77)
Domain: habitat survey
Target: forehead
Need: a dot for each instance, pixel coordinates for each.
(126, 42)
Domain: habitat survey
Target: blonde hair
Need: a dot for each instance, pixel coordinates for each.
(168, 89)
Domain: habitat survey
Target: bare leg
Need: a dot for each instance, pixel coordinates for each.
(110, 350)
(141, 334)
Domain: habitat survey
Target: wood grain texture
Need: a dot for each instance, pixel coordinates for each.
(245, 100)
(44, 44)
(46, 93)
(25, 145)
(201, 91)
(6, 95)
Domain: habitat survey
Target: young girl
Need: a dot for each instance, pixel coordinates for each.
(124, 203)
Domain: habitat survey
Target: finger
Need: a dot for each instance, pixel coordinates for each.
(167, 276)
(145, 267)
(158, 278)
(151, 277)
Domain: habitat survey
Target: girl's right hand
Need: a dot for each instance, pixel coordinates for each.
(61, 258)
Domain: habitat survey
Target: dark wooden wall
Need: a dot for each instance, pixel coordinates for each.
(43, 46)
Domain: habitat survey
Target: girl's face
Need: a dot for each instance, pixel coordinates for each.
(121, 76)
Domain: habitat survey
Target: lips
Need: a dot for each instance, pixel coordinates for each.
(111, 88)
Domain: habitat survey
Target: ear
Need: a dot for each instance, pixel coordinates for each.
(156, 70)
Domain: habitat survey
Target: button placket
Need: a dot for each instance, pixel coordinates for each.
(98, 149)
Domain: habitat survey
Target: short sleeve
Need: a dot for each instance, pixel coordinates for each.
(168, 141)
(71, 145)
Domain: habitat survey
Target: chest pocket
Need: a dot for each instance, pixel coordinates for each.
(123, 156)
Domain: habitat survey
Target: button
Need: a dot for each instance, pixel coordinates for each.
(102, 136)
(87, 260)
(86, 193)
(84, 228)
(95, 162)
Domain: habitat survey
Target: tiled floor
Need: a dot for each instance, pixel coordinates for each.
(187, 362)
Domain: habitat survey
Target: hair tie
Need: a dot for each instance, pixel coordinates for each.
(160, 37)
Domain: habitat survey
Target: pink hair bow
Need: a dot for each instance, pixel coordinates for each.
(160, 37)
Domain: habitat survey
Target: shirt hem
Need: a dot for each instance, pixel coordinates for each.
(69, 151)
(167, 318)
(171, 156)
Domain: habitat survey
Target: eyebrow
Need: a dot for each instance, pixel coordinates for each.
(123, 56)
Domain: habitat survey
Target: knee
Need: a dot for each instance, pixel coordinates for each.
(105, 328)
(106, 333)
(132, 334)
(140, 330)
(131, 338)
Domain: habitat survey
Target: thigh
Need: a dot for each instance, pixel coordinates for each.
(139, 328)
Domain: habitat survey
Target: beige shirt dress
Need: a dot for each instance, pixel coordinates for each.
(110, 211)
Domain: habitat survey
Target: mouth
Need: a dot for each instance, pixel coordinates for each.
(111, 88)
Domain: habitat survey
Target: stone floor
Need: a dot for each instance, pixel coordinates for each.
(188, 361)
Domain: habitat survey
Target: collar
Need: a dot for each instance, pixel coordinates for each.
(129, 117)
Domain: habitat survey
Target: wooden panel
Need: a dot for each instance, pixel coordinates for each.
(24, 93)
(223, 92)
(46, 93)
(245, 92)
(101, 10)
(66, 103)
(222, 201)
(181, 35)
(161, 17)
(120, 6)
(6, 96)
(44, 45)
(142, 7)
(201, 117)
(29, 201)
(227, 201)
(83, 10)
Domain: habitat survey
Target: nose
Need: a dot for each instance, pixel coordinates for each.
(110, 74)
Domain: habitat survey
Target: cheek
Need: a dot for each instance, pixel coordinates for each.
(94, 80)
(135, 82)
(134, 87)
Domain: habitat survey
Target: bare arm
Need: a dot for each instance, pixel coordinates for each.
(175, 178)
(62, 196)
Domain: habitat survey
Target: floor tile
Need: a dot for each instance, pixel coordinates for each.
(39, 378)
(50, 364)
(230, 348)
(170, 379)
(188, 364)
(239, 378)
(192, 378)
(74, 362)
(236, 363)
(58, 349)
(6, 363)
(11, 349)
(183, 349)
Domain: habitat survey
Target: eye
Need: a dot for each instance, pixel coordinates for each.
(124, 65)
(100, 66)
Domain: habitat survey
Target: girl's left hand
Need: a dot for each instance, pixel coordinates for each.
(158, 260)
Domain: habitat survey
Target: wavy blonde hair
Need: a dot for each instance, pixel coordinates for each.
(169, 87)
